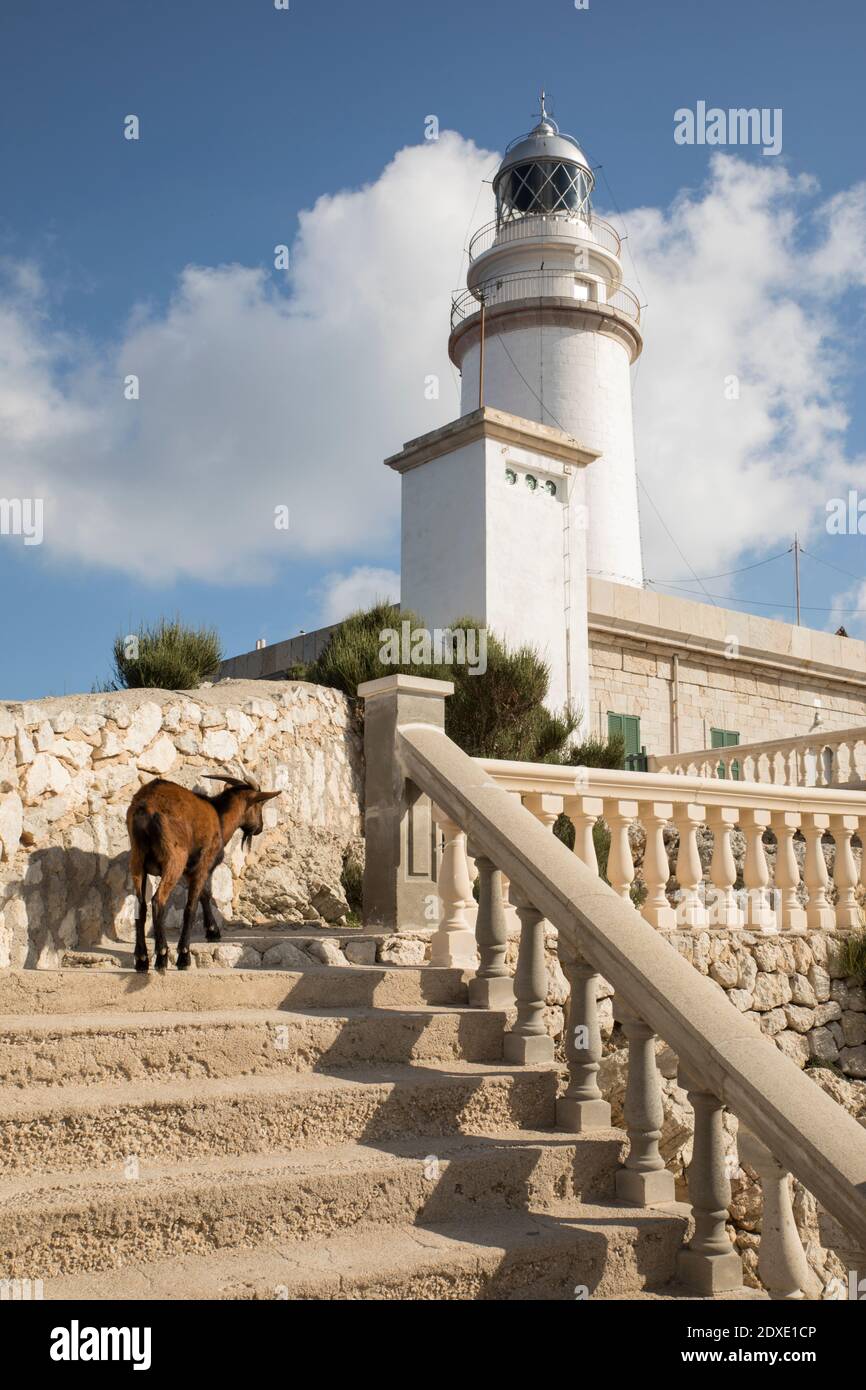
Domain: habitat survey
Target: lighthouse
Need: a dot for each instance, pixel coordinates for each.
(561, 330)
(507, 510)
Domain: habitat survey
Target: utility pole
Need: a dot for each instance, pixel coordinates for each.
(797, 574)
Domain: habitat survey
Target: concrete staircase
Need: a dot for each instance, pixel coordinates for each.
(328, 1133)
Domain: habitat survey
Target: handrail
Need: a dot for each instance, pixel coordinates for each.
(802, 1126)
(815, 741)
(554, 284)
(592, 229)
(566, 781)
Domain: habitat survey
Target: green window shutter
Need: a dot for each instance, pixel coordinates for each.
(628, 727)
(726, 738)
(632, 734)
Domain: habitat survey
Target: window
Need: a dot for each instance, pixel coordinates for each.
(628, 725)
(725, 738)
(544, 186)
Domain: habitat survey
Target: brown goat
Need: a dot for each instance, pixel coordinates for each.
(176, 833)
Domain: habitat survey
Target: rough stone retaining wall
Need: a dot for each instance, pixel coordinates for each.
(69, 767)
(794, 987)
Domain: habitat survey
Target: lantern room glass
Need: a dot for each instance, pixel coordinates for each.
(544, 186)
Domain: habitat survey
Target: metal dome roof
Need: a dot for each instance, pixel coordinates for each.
(544, 141)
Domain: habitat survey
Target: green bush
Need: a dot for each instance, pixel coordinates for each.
(598, 752)
(351, 655)
(167, 656)
(853, 957)
(499, 714)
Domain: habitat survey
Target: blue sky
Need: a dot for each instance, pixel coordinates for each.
(248, 116)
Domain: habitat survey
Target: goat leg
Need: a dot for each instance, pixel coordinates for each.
(171, 874)
(138, 868)
(140, 956)
(211, 929)
(196, 879)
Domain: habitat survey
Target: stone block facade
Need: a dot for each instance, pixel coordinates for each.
(685, 668)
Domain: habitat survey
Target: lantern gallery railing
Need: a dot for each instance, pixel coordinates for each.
(786, 1123)
(593, 231)
(546, 284)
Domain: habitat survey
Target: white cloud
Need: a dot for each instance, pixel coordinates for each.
(848, 610)
(342, 594)
(735, 291)
(256, 395)
(253, 395)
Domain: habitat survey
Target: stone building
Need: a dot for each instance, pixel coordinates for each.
(524, 511)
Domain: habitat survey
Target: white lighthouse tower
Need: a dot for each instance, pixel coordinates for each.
(560, 329)
(507, 509)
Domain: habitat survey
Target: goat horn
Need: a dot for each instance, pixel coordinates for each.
(227, 778)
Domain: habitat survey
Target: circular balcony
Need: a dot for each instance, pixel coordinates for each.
(591, 231)
(539, 284)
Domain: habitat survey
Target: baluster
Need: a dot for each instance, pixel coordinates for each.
(582, 1107)
(845, 872)
(583, 812)
(824, 766)
(691, 912)
(545, 807)
(782, 1265)
(453, 943)
(527, 1042)
(492, 986)
(620, 865)
(643, 1178)
(723, 869)
(790, 915)
(655, 815)
(756, 871)
(819, 913)
(709, 1263)
(810, 768)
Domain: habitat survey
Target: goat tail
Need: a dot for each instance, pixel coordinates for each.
(147, 827)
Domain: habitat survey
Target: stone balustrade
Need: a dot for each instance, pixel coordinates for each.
(704, 810)
(788, 1125)
(821, 758)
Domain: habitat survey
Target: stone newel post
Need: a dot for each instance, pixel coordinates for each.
(400, 862)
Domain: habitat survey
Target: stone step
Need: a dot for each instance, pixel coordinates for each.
(77, 1049)
(85, 1222)
(276, 947)
(95, 991)
(608, 1250)
(65, 1128)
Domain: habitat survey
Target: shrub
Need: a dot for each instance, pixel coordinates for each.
(499, 714)
(853, 957)
(598, 752)
(167, 656)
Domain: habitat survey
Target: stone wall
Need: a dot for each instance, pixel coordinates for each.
(794, 987)
(69, 767)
